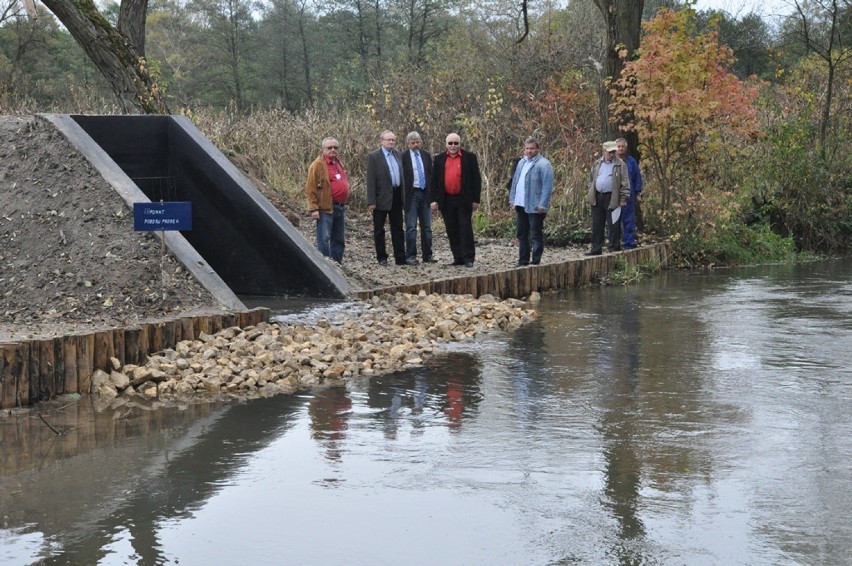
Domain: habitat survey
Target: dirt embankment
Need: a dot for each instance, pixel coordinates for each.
(69, 257)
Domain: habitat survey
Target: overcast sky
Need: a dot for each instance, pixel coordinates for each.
(766, 8)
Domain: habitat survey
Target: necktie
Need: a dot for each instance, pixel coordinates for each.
(421, 178)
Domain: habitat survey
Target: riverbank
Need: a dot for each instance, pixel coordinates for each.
(72, 265)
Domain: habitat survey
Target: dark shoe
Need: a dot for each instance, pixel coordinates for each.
(629, 247)
(430, 259)
(535, 262)
(383, 262)
(521, 264)
(456, 262)
(468, 263)
(614, 249)
(411, 261)
(591, 252)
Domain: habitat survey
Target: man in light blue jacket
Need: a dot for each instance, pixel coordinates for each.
(532, 186)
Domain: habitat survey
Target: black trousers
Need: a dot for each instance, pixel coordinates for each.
(458, 218)
(602, 220)
(396, 228)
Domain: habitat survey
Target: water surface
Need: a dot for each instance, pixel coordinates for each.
(692, 419)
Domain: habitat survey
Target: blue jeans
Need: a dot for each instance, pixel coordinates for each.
(418, 210)
(330, 233)
(628, 220)
(530, 233)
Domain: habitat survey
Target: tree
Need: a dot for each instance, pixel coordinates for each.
(172, 45)
(683, 102)
(354, 20)
(117, 51)
(227, 29)
(43, 68)
(423, 22)
(623, 19)
(748, 37)
(819, 26)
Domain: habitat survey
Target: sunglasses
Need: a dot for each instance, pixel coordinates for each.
(453, 143)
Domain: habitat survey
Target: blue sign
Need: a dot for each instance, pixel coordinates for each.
(148, 216)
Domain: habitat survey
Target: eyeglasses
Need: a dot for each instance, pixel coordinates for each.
(331, 147)
(389, 139)
(453, 143)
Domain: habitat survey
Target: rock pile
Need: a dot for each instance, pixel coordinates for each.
(382, 335)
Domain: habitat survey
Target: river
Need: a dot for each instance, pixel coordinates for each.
(699, 418)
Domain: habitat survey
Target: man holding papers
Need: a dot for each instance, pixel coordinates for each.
(609, 189)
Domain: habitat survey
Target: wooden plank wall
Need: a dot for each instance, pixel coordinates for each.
(520, 282)
(37, 370)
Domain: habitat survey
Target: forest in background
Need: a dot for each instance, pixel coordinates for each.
(742, 122)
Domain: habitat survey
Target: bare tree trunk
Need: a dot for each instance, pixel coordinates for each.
(114, 53)
(283, 36)
(379, 29)
(623, 20)
(131, 22)
(827, 44)
(303, 35)
(235, 55)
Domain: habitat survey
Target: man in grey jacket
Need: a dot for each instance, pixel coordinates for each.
(385, 198)
(609, 190)
(532, 186)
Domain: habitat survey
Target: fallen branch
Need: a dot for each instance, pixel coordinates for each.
(48, 424)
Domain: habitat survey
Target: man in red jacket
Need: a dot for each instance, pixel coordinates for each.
(455, 186)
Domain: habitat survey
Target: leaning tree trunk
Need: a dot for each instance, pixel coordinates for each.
(131, 22)
(623, 28)
(120, 58)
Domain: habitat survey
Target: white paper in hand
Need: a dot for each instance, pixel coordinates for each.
(616, 214)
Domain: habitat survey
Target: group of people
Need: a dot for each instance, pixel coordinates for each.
(405, 189)
(615, 188)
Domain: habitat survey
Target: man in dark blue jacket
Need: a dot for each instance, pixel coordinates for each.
(628, 213)
(416, 170)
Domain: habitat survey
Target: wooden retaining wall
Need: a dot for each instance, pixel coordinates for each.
(520, 282)
(37, 370)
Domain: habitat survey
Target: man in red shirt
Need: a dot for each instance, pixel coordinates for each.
(327, 191)
(456, 186)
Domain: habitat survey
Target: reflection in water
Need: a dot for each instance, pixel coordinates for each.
(87, 504)
(450, 386)
(621, 451)
(329, 411)
(699, 419)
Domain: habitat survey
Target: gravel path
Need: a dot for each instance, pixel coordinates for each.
(363, 271)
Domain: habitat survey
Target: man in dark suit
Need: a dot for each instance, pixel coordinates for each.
(416, 169)
(385, 197)
(456, 185)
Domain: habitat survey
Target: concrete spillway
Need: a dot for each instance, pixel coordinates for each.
(240, 244)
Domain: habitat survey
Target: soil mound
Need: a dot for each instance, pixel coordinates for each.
(69, 257)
